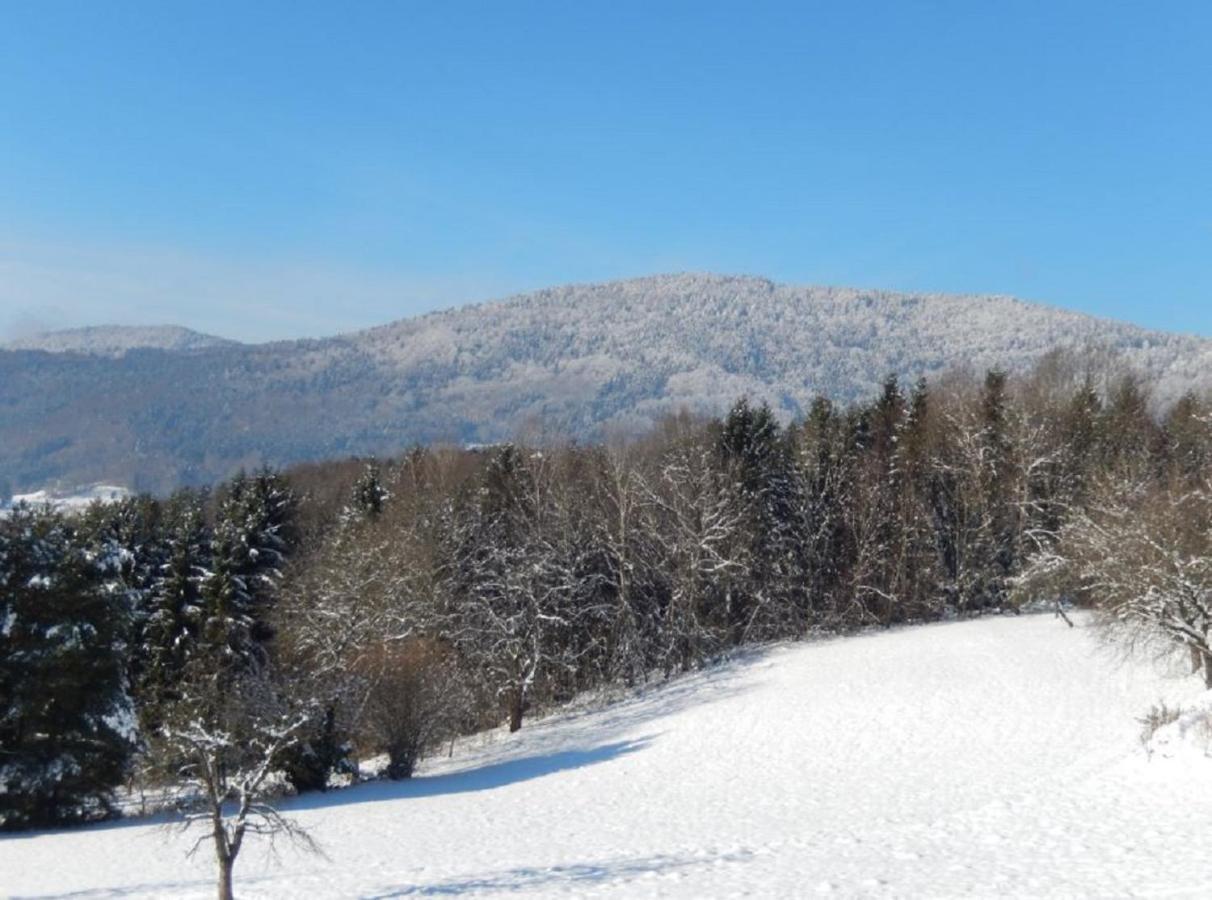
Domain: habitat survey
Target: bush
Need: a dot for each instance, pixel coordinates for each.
(321, 752)
(1172, 733)
(412, 701)
(1158, 716)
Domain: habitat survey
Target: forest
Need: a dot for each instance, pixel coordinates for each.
(268, 634)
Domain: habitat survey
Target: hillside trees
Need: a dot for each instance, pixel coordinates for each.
(522, 582)
(388, 607)
(350, 618)
(702, 547)
(755, 458)
(633, 583)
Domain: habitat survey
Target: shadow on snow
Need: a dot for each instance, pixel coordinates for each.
(561, 876)
(481, 778)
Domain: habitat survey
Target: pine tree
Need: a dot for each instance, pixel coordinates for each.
(998, 475)
(369, 493)
(249, 543)
(66, 726)
(755, 457)
(174, 608)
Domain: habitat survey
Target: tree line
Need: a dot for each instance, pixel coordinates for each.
(282, 626)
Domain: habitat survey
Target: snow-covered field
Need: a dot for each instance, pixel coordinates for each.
(990, 757)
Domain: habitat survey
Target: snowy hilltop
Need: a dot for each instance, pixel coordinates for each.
(996, 757)
(579, 361)
(117, 340)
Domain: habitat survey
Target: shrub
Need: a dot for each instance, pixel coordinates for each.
(412, 701)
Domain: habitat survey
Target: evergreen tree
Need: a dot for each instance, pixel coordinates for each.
(249, 543)
(1188, 438)
(369, 494)
(824, 474)
(998, 474)
(174, 609)
(756, 461)
(66, 727)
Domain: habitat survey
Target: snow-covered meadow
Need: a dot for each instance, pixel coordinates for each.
(999, 756)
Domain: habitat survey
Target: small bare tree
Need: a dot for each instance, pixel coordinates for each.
(220, 749)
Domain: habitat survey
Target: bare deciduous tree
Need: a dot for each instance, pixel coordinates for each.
(1141, 556)
(220, 750)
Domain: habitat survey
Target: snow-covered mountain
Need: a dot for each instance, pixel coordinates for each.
(990, 758)
(578, 360)
(117, 340)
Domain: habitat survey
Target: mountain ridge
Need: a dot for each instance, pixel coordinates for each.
(117, 340)
(583, 360)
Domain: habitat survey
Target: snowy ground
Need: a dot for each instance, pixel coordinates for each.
(991, 757)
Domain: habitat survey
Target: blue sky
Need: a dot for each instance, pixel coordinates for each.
(266, 170)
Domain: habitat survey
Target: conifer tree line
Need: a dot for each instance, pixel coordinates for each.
(291, 624)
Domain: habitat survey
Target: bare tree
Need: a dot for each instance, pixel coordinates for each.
(700, 535)
(626, 533)
(1141, 555)
(220, 749)
(518, 586)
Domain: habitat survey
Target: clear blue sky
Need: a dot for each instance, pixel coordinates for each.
(263, 169)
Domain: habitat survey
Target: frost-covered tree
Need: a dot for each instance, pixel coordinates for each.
(351, 616)
(824, 471)
(634, 588)
(975, 495)
(515, 581)
(220, 747)
(704, 547)
(336, 606)
(1141, 556)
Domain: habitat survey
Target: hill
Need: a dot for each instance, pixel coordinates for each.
(996, 757)
(581, 360)
(117, 340)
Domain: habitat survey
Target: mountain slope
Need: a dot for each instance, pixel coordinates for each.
(996, 757)
(117, 340)
(577, 359)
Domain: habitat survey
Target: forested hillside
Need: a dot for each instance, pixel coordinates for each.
(352, 608)
(581, 362)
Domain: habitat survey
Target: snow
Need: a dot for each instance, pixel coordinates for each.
(996, 757)
(1188, 739)
(81, 499)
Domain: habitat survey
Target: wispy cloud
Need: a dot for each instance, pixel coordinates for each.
(61, 285)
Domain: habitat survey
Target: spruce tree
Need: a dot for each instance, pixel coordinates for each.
(248, 547)
(66, 726)
(369, 494)
(174, 609)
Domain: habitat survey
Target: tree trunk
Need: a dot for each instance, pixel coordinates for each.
(225, 867)
(1208, 670)
(223, 851)
(517, 700)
